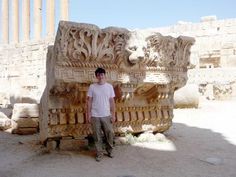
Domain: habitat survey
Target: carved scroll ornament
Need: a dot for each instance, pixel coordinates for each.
(144, 68)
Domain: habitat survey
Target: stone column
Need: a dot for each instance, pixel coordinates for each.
(50, 16)
(37, 19)
(15, 21)
(64, 10)
(26, 19)
(5, 21)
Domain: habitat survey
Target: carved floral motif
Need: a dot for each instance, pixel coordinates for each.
(144, 68)
(87, 43)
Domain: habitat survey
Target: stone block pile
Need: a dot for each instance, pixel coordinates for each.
(25, 118)
(22, 119)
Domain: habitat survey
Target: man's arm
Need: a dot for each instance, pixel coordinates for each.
(89, 107)
(112, 107)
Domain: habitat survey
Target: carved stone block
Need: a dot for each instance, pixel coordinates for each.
(145, 69)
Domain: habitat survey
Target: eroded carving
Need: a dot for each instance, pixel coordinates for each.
(144, 68)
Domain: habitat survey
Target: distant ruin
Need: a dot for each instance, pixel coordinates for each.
(213, 56)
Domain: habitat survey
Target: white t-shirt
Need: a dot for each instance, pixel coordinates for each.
(101, 95)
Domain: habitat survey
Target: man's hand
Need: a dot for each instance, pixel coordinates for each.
(88, 118)
(113, 119)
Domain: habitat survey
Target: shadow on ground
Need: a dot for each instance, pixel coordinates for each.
(199, 153)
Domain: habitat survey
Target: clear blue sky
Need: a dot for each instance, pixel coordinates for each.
(133, 14)
(148, 13)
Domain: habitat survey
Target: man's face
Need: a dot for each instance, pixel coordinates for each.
(100, 77)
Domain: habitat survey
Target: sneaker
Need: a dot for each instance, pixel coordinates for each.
(98, 158)
(110, 154)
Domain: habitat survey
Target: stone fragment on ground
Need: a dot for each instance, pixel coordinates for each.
(25, 118)
(5, 122)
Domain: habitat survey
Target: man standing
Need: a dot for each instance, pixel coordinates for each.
(101, 112)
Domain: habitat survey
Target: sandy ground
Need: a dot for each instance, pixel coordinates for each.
(201, 143)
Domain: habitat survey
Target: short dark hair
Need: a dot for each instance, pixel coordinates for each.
(99, 71)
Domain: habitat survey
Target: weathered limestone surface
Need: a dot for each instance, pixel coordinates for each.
(213, 55)
(144, 68)
(25, 118)
(187, 96)
(23, 68)
(25, 110)
(214, 83)
(5, 122)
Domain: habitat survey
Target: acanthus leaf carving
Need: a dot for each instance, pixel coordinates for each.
(144, 68)
(88, 43)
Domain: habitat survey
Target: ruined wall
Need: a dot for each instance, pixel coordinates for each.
(214, 38)
(22, 77)
(213, 56)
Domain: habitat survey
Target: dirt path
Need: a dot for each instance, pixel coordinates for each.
(202, 143)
